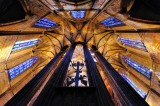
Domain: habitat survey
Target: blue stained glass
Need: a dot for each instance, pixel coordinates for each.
(44, 22)
(139, 91)
(111, 22)
(140, 68)
(132, 42)
(21, 67)
(78, 14)
(24, 44)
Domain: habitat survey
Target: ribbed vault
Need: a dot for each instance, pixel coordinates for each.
(88, 30)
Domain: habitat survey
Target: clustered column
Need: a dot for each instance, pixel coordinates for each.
(56, 80)
(95, 79)
(27, 92)
(77, 75)
(123, 91)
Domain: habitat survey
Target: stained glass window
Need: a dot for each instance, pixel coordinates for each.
(78, 14)
(21, 67)
(44, 22)
(132, 42)
(111, 22)
(139, 91)
(24, 44)
(140, 68)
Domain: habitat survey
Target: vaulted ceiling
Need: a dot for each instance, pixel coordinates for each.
(141, 21)
(18, 18)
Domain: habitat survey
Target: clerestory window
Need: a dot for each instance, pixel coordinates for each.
(139, 91)
(24, 44)
(78, 14)
(138, 67)
(132, 42)
(111, 22)
(21, 67)
(44, 22)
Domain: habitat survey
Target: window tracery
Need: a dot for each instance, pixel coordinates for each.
(44, 22)
(24, 44)
(111, 22)
(138, 67)
(132, 42)
(139, 91)
(21, 67)
(78, 14)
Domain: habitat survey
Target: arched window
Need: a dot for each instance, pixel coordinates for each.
(78, 14)
(24, 44)
(111, 22)
(138, 67)
(21, 67)
(139, 91)
(44, 22)
(132, 42)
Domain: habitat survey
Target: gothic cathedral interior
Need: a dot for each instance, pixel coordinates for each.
(79, 52)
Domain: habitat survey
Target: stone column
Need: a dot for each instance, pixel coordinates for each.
(56, 80)
(27, 92)
(77, 75)
(95, 80)
(125, 94)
